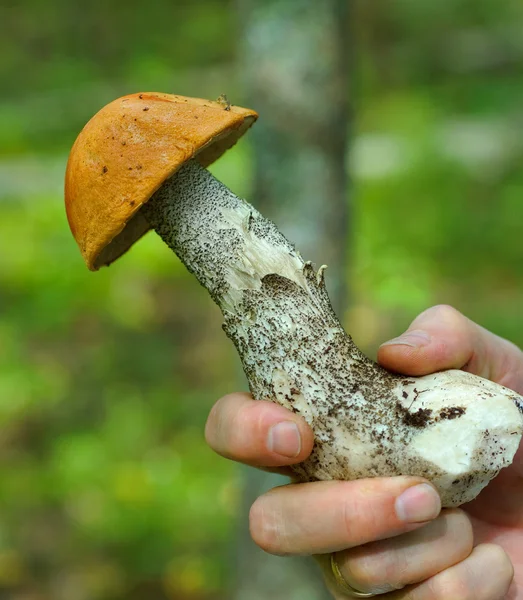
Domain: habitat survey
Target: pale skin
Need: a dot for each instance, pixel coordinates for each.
(401, 549)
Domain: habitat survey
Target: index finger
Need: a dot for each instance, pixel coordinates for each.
(257, 433)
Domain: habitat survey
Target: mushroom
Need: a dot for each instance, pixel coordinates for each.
(139, 164)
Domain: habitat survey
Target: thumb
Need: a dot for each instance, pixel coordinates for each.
(442, 338)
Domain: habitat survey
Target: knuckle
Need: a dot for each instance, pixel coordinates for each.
(362, 572)
(468, 583)
(378, 573)
(460, 527)
(225, 401)
(266, 527)
(450, 585)
(446, 312)
(228, 430)
(505, 567)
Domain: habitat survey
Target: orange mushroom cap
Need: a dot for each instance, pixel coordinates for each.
(125, 153)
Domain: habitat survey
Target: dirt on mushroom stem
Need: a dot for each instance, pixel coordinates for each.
(367, 421)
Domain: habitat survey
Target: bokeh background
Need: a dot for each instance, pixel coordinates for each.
(107, 490)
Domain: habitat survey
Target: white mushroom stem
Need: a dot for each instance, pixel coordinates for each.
(453, 428)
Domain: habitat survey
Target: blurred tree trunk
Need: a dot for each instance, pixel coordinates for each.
(295, 57)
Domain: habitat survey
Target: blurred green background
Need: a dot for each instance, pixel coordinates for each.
(107, 490)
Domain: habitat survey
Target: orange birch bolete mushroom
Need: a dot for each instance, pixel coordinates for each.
(139, 164)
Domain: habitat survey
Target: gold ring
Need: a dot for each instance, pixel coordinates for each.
(342, 582)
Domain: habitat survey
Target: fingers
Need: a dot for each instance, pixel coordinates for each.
(257, 433)
(328, 516)
(486, 574)
(391, 564)
(439, 338)
(442, 338)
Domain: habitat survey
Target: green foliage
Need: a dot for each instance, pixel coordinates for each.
(107, 488)
(98, 419)
(65, 60)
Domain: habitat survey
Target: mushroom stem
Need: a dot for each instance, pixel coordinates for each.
(453, 428)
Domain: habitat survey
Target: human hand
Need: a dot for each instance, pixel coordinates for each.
(389, 535)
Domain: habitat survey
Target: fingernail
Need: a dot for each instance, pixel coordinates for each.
(417, 504)
(284, 438)
(415, 338)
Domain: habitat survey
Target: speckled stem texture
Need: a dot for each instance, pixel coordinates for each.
(453, 428)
